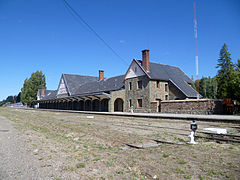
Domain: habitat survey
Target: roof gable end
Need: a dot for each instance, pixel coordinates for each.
(135, 70)
(62, 87)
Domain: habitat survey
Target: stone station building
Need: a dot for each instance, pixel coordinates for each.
(143, 87)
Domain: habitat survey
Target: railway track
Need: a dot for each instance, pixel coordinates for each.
(227, 138)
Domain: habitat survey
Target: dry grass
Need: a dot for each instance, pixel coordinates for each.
(92, 148)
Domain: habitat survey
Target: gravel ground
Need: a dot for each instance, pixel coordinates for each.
(56, 145)
(16, 161)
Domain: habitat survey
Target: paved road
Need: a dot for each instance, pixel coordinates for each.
(15, 161)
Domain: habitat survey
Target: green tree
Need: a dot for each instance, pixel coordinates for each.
(212, 93)
(2, 102)
(208, 87)
(18, 98)
(226, 75)
(237, 82)
(203, 87)
(10, 99)
(31, 86)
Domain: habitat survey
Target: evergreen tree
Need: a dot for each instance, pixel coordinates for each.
(213, 88)
(202, 87)
(10, 99)
(208, 87)
(237, 82)
(226, 75)
(18, 99)
(31, 86)
(2, 102)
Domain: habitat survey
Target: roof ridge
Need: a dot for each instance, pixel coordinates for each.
(114, 76)
(78, 75)
(160, 63)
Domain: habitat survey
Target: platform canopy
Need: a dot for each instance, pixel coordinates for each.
(84, 97)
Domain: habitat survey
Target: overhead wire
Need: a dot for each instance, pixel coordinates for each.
(73, 12)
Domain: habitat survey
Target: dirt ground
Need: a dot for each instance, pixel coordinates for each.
(81, 146)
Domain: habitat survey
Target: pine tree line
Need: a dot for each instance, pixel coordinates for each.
(226, 84)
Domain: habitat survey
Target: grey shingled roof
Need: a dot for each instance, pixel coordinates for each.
(173, 74)
(108, 84)
(49, 94)
(74, 82)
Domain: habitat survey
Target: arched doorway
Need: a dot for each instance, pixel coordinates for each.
(118, 105)
(81, 105)
(88, 105)
(104, 105)
(95, 105)
(75, 105)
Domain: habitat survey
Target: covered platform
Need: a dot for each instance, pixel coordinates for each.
(87, 102)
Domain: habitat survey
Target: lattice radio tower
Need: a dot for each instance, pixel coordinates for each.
(196, 46)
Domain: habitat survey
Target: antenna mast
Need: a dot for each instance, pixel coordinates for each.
(196, 46)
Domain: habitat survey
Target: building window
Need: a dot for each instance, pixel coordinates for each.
(166, 97)
(130, 103)
(139, 102)
(130, 86)
(166, 87)
(139, 84)
(158, 84)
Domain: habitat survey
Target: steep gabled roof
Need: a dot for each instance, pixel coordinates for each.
(108, 84)
(74, 82)
(173, 74)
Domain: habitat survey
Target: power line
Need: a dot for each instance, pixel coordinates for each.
(82, 21)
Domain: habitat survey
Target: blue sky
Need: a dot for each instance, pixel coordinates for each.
(42, 35)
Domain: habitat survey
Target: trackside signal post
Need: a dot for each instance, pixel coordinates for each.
(193, 127)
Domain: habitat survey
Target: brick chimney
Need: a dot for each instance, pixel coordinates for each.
(101, 75)
(145, 59)
(43, 92)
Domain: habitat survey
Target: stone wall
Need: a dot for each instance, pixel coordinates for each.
(115, 95)
(192, 106)
(134, 94)
(158, 93)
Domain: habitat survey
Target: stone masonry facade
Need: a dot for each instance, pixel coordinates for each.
(151, 94)
(193, 106)
(135, 94)
(114, 96)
